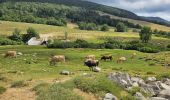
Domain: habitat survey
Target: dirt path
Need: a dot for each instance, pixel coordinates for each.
(18, 94)
(85, 96)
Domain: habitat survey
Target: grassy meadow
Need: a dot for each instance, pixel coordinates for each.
(73, 32)
(33, 65)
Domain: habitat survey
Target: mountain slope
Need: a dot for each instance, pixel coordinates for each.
(98, 7)
(88, 5)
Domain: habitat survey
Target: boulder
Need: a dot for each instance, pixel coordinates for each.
(157, 98)
(164, 86)
(110, 96)
(139, 96)
(151, 79)
(96, 69)
(121, 78)
(135, 84)
(135, 79)
(153, 88)
(165, 94)
(64, 72)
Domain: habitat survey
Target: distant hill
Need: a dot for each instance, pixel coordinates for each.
(156, 20)
(99, 7)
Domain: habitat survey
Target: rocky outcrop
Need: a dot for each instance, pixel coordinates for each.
(157, 89)
(110, 96)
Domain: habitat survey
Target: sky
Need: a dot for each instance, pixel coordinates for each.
(153, 8)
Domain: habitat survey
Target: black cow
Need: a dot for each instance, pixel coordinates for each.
(91, 63)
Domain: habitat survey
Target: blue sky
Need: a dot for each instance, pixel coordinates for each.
(155, 8)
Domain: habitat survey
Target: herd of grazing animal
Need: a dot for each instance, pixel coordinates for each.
(90, 60)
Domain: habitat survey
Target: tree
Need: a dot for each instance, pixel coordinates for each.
(16, 36)
(31, 32)
(145, 34)
(121, 27)
(105, 27)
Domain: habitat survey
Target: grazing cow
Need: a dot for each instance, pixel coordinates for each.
(91, 63)
(105, 57)
(57, 58)
(121, 59)
(90, 57)
(133, 55)
(12, 54)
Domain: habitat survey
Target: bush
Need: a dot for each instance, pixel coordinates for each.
(16, 36)
(120, 27)
(60, 44)
(2, 89)
(105, 27)
(87, 26)
(18, 84)
(6, 41)
(148, 50)
(31, 32)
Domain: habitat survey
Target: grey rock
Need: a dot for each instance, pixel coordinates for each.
(110, 96)
(151, 79)
(157, 98)
(64, 72)
(135, 84)
(164, 94)
(121, 78)
(153, 89)
(164, 86)
(96, 69)
(139, 96)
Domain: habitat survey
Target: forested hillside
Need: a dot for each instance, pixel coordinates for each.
(98, 7)
(54, 14)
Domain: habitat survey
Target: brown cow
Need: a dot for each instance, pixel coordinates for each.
(57, 58)
(121, 59)
(105, 57)
(12, 54)
(90, 57)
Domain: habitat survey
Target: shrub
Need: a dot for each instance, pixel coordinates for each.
(6, 41)
(148, 50)
(2, 89)
(60, 44)
(120, 27)
(16, 36)
(40, 87)
(105, 27)
(31, 32)
(87, 26)
(18, 84)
